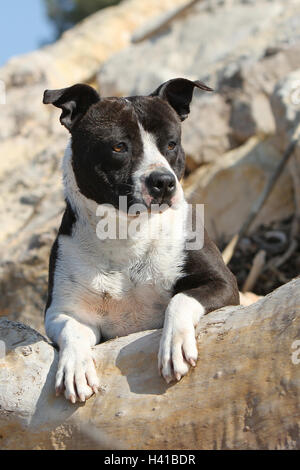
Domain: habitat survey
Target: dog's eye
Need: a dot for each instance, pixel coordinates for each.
(171, 145)
(121, 147)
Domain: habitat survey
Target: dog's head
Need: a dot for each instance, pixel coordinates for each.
(127, 146)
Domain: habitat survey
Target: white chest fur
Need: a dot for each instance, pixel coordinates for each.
(122, 286)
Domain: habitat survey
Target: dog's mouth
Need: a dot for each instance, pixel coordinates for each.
(141, 208)
(134, 203)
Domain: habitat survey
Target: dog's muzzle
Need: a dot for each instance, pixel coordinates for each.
(161, 185)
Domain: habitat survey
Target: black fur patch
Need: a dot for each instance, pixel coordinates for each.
(103, 174)
(207, 278)
(68, 220)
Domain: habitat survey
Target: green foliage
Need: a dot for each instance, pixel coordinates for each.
(66, 13)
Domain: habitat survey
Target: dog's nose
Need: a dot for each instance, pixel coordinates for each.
(161, 184)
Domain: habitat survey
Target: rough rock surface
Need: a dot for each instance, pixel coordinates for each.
(77, 55)
(286, 107)
(239, 49)
(229, 188)
(243, 394)
(194, 44)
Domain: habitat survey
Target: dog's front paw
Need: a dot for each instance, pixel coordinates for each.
(76, 374)
(177, 351)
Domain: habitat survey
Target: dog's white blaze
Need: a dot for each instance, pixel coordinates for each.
(152, 159)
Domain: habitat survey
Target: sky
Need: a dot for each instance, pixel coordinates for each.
(23, 27)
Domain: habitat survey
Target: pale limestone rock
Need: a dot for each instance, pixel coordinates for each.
(206, 133)
(286, 105)
(251, 115)
(197, 45)
(286, 108)
(243, 394)
(78, 54)
(231, 45)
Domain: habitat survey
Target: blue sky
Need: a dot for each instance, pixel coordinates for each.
(23, 27)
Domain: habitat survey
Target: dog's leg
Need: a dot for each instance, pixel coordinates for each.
(178, 348)
(206, 286)
(76, 374)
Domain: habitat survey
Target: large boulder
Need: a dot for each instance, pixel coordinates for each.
(239, 49)
(209, 38)
(229, 187)
(249, 89)
(77, 55)
(243, 394)
(286, 108)
(285, 103)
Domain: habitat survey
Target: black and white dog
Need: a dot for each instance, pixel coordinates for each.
(100, 288)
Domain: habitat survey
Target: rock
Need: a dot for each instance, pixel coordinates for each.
(229, 187)
(32, 143)
(286, 108)
(193, 44)
(286, 105)
(243, 63)
(206, 133)
(251, 117)
(250, 89)
(77, 55)
(24, 262)
(243, 394)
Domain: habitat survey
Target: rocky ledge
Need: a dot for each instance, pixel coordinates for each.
(243, 394)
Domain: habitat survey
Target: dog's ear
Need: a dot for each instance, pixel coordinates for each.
(74, 102)
(178, 92)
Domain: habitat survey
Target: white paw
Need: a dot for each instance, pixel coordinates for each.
(177, 351)
(76, 374)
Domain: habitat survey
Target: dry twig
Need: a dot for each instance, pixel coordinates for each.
(255, 271)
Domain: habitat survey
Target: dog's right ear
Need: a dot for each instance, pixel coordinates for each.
(74, 102)
(178, 92)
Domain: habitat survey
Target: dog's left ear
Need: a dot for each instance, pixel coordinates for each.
(178, 92)
(74, 102)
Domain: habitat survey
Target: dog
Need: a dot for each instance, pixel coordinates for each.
(101, 288)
